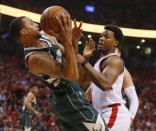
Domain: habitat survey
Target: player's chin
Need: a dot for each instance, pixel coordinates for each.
(100, 47)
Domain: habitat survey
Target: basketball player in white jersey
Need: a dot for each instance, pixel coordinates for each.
(109, 76)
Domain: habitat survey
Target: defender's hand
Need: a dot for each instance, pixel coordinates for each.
(76, 32)
(80, 59)
(89, 48)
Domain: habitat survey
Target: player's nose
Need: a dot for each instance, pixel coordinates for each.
(101, 39)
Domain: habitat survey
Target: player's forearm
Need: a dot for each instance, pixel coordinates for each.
(134, 107)
(75, 47)
(84, 79)
(133, 98)
(70, 67)
(100, 80)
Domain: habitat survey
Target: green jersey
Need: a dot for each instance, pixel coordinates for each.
(68, 100)
(26, 117)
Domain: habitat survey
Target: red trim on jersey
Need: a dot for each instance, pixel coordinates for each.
(113, 115)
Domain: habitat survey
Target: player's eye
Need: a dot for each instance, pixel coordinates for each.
(107, 36)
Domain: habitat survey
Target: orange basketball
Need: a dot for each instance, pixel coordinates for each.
(48, 18)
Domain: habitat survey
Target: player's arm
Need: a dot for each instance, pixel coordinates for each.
(43, 63)
(27, 103)
(130, 92)
(89, 50)
(88, 94)
(66, 39)
(84, 79)
(77, 33)
(109, 74)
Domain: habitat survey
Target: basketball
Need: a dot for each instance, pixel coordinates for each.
(48, 19)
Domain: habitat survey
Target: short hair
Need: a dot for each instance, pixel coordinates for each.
(117, 32)
(15, 27)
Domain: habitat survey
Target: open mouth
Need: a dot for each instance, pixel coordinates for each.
(100, 45)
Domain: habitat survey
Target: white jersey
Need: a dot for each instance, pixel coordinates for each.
(101, 98)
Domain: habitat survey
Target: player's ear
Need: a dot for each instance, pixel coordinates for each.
(23, 31)
(117, 43)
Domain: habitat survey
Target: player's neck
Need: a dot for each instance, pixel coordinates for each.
(31, 43)
(105, 53)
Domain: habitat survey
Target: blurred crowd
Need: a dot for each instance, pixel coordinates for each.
(14, 85)
(145, 82)
(135, 14)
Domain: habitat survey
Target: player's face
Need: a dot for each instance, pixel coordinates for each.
(107, 41)
(30, 28)
(35, 90)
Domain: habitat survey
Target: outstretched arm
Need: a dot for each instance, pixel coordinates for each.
(77, 33)
(109, 74)
(84, 79)
(66, 39)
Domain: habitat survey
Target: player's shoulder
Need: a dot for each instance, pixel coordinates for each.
(50, 37)
(38, 58)
(30, 94)
(114, 59)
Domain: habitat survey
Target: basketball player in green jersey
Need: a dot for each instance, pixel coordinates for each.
(44, 58)
(29, 109)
